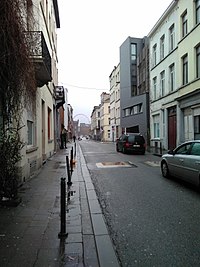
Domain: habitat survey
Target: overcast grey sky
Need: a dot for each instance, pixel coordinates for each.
(88, 43)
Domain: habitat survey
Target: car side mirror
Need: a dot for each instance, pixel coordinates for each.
(171, 152)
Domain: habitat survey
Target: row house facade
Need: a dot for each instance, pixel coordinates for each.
(40, 119)
(159, 80)
(175, 75)
(115, 128)
(95, 124)
(134, 86)
(105, 117)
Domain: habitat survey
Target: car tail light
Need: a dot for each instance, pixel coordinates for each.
(127, 144)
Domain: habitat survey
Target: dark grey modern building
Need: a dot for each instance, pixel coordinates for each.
(134, 86)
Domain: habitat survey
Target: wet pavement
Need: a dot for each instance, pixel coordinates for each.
(29, 233)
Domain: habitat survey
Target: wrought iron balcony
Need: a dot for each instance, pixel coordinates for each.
(59, 96)
(40, 55)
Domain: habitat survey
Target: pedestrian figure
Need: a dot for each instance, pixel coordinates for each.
(74, 138)
(63, 137)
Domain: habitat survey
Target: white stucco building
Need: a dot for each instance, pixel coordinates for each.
(105, 117)
(175, 75)
(95, 123)
(115, 129)
(39, 133)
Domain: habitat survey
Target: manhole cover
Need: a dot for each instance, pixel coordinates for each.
(115, 164)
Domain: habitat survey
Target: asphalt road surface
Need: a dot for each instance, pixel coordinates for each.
(152, 221)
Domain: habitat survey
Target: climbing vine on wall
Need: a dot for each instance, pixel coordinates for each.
(17, 87)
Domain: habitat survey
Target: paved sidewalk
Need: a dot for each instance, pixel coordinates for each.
(29, 232)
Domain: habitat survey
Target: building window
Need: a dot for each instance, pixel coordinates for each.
(49, 123)
(156, 126)
(171, 77)
(140, 108)
(99, 114)
(196, 127)
(154, 88)
(162, 83)
(127, 112)
(133, 52)
(163, 122)
(184, 24)
(171, 38)
(108, 133)
(198, 61)
(162, 47)
(197, 3)
(154, 54)
(185, 69)
(133, 90)
(30, 133)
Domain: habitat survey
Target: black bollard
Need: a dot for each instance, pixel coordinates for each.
(69, 182)
(62, 233)
(74, 149)
(160, 148)
(71, 161)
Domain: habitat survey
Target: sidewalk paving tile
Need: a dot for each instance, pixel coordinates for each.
(29, 232)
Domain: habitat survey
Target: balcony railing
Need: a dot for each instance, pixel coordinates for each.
(59, 96)
(40, 55)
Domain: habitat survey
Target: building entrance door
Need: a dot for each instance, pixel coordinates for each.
(172, 128)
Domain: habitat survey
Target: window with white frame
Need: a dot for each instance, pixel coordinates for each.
(185, 69)
(197, 6)
(171, 38)
(133, 52)
(49, 120)
(126, 112)
(171, 77)
(184, 24)
(198, 61)
(30, 133)
(154, 54)
(154, 88)
(163, 122)
(156, 126)
(162, 47)
(162, 83)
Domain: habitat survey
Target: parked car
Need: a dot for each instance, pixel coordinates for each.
(183, 162)
(131, 142)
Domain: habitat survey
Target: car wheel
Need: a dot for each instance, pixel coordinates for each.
(165, 169)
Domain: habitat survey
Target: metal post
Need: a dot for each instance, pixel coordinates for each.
(160, 148)
(69, 182)
(74, 149)
(62, 233)
(71, 161)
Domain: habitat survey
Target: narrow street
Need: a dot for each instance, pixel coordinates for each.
(152, 221)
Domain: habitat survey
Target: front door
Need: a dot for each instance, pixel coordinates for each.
(172, 128)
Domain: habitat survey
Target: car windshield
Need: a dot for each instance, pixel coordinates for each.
(131, 139)
(135, 138)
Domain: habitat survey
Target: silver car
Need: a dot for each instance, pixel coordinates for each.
(183, 162)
